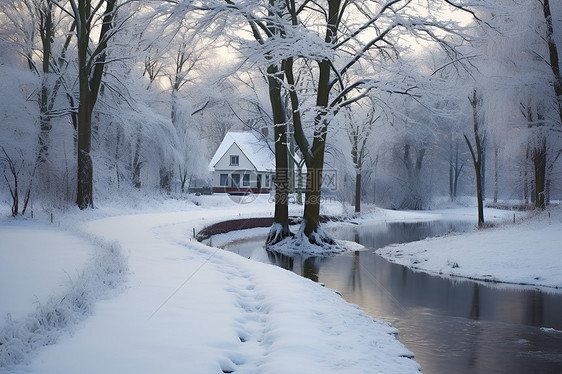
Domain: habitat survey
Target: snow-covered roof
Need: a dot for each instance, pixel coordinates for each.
(256, 150)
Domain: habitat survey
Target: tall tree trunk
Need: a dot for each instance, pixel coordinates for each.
(136, 163)
(525, 176)
(483, 166)
(477, 155)
(358, 192)
(298, 133)
(183, 178)
(311, 216)
(90, 72)
(458, 170)
(46, 30)
(553, 55)
(299, 184)
(414, 198)
(496, 171)
(165, 177)
(44, 123)
(84, 197)
(479, 195)
(316, 164)
(451, 195)
(314, 154)
(280, 228)
(316, 167)
(540, 164)
(538, 155)
(291, 149)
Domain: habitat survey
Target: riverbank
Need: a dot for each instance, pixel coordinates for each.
(525, 252)
(520, 247)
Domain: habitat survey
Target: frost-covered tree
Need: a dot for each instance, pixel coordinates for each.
(182, 65)
(333, 38)
(359, 127)
(476, 150)
(523, 52)
(41, 33)
(37, 35)
(385, 23)
(540, 147)
(92, 56)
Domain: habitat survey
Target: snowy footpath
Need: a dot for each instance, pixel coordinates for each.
(142, 296)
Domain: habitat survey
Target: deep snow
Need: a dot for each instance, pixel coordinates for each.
(183, 306)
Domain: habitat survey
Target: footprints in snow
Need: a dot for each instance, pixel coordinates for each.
(251, 324)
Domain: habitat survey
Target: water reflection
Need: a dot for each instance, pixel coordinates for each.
(308, 267)
(451, 325)
(475, 309)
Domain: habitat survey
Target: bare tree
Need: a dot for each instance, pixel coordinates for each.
(537, 151)
(16, 169)
(359, 131)
(476, 151)
(456, 164)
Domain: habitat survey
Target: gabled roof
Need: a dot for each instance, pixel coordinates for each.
(256, 150)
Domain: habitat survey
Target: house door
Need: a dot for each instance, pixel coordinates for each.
(235, 181)
(259, 181)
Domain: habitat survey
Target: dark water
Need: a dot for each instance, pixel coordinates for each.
(451, 325)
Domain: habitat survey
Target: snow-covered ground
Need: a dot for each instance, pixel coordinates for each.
(129, 290)
(36, 261)
(528, 251)
(180, 307)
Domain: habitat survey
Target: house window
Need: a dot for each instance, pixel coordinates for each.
(235, 181)
(234, 160)
(224, 180)
(246, 180)
(267, 180)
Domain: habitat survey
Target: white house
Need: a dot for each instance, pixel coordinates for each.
(243, 163)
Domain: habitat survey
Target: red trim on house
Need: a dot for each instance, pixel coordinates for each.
(241, 190)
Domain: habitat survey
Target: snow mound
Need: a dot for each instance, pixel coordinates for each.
(302, 247)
